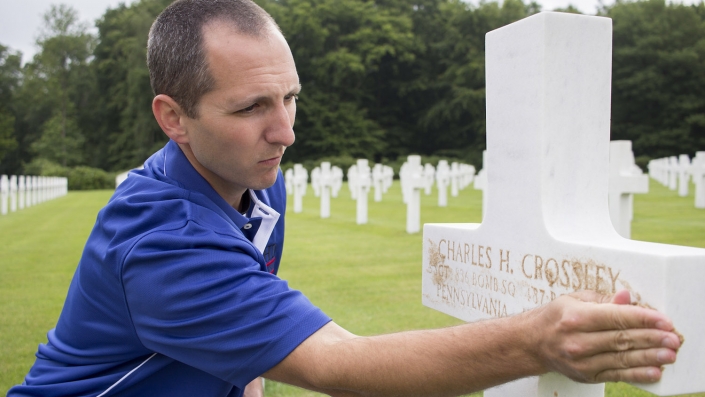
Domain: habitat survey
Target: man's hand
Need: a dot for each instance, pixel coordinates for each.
(595, 338)
(255, 388)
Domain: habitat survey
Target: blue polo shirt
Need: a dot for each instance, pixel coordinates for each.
(176, 293)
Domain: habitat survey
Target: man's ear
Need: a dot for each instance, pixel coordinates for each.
(170, 118)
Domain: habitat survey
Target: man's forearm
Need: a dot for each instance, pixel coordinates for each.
(444, 362)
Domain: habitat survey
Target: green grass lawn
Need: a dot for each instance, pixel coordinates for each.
(366, 277)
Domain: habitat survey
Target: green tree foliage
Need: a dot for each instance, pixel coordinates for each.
(126, 133)
(659, 76)
(55, 85)
(381, 79)
(9, 79)
(61, 141)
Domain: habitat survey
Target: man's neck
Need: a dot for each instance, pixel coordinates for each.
(233, 196)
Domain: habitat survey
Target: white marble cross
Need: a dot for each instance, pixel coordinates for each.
(697, 171)
(289, 181)
(466, 174)
(415, 182)
(378, 181)
(454, 179)
(337, 176)
(316, 181)
(625, 180)
(481, 183)
(4, 194)
(20, 191)
(429, 174)
(363, 182)
(300, 185)
(442, 180)
(673, 172)
(658, 169)
(28, 191)
(352, 181)
(547, 229)
(13, 193)
(388, 177)
(325, 183)
(683, 174)
(35, 190)
(403, 177)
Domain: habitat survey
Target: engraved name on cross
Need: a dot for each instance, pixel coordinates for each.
(547, 228)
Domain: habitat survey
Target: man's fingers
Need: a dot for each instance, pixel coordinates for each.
(601, 317)
(618, 362)
(595, 343)
(635, 375)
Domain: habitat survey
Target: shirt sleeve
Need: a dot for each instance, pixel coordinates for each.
(200, 297)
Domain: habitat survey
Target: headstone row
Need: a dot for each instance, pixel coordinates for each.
(19, 192)
(326, 181)
(676, 172)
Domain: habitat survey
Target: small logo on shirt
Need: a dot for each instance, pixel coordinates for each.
(269, 257)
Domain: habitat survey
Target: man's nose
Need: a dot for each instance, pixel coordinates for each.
(281, 128)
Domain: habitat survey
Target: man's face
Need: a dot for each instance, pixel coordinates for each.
(246, 122)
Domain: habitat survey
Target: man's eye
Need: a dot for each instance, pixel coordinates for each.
(291, 96)
(248, 109)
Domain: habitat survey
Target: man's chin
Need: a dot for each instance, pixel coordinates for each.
(265, 183)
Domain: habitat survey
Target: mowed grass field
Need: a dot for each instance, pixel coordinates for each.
(366, 277)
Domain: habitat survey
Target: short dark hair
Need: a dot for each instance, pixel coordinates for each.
(175, 50)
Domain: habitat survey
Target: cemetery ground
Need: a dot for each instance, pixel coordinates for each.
(366, 277)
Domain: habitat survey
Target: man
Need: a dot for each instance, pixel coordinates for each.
(176, 294)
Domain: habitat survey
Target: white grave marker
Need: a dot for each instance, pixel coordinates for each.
(625, 180)
(352, 181)
(300, 185)
(683, 174)
(316, 181)
(325, 183)
(337, 175)
(403, 178)
(4, 193)
(547, 229)
(388, 177)
(289, 181)
(28, 191)
(442, 180)
(20, 191)
(697, 171)
(35, 190)
(363, 181)
(429, 174)
(415, 181)
(378, 181)
(454, 179)
(13, 193)
(481, 183)
(673, 172)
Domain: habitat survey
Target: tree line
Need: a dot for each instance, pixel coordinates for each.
(381, 79)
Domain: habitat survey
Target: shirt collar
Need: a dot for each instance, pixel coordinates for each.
(178, 168)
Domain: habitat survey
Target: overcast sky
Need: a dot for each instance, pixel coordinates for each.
(20, 20)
